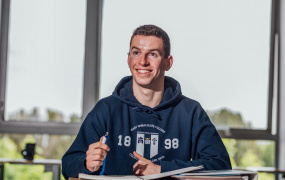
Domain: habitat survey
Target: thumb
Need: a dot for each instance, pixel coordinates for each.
(101, 139)
(138, 156)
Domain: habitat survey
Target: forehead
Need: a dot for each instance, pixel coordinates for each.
(149, 42)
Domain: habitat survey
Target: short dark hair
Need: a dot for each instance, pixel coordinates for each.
(152, 30)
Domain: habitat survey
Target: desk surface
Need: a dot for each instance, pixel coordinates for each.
(35, 161)
(266, 170)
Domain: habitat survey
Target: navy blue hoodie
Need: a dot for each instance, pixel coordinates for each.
(175, 134)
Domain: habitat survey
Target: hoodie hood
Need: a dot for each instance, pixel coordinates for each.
(124, 92)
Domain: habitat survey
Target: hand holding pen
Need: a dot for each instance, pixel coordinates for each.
(96, 154)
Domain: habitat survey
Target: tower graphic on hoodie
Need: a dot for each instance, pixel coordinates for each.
(146, 140)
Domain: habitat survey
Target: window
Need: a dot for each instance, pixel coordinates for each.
(220, 49)
(252, 153)
(45, 61)
(222, 58)
(47, 147)
(45, 43)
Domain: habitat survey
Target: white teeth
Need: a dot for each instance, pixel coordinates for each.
(143, 71)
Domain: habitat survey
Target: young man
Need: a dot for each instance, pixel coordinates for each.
(152, 127)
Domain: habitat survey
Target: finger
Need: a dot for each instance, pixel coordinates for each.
(139, 169)
(136, 170)
(99, 145)
(97, 152)
(94, 154)
(136, 164)
(138, 156)
(95, 158)
(140, 163)
(92, 164)
(97, 165)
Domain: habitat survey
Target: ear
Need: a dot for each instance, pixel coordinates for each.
(128, 59)
(169, 62)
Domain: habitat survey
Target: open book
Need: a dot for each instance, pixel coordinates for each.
(218, 174)
(129, 177)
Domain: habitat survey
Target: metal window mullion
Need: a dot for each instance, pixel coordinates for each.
(92, 55)
(247, 134)
(274, 77)
(280, 148)
(5, 10)
(30, 127)
(273, 30)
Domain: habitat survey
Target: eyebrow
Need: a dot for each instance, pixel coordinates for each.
(134, 47)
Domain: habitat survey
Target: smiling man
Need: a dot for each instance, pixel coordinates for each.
(148, 63)
(152, 127)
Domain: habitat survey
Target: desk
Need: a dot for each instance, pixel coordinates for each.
(267, 170)
(50, 165)
(198, 175)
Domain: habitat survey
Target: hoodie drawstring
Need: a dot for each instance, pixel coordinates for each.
(148, 111)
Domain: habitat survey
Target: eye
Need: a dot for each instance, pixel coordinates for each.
(135, 53)
(152, 54)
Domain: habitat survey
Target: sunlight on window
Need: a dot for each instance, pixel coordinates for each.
(45, 60)
(220, 50)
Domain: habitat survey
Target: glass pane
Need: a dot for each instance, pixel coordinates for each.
(45, 60)
(220, 50)
(251, 153)
(47, 147)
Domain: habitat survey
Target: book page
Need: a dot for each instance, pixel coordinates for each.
(210, 177)
(132, 177)
(222, 173)
(219, 173)
(104, 177)
(170, 173)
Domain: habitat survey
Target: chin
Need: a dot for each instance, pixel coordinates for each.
(142, 82)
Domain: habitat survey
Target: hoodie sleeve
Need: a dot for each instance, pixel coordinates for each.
(207, 148)
(93, 127)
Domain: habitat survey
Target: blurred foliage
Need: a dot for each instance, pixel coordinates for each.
(227, 118)
(232, 149)
(47, 147)
(266, 176)
(25, 172)
(244, 153)
(9, 149)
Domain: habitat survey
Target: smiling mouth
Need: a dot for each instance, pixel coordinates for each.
(143, 71)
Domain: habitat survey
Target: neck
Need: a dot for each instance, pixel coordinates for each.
(150, 97)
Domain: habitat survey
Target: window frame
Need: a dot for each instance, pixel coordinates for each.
(267, 134)
(280, 147)
(92, 80)
(91, 77)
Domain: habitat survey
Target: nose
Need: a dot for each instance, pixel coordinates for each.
(144, 60)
